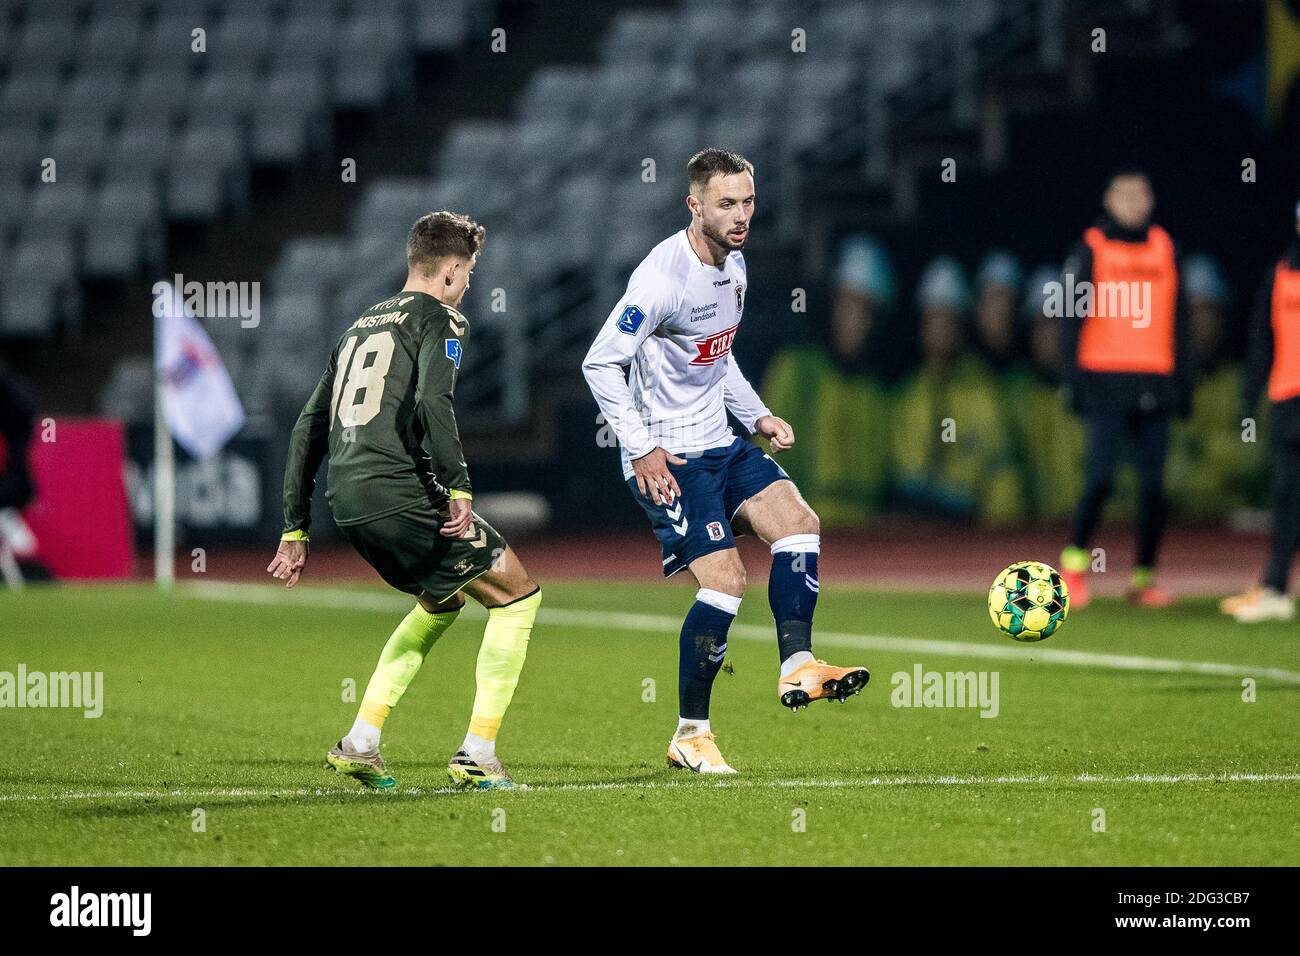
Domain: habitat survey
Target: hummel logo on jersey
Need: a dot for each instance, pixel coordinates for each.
(453, 351)
(716, 346)
(631, 319)
(718, 282)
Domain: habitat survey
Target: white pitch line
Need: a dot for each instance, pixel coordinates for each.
(702, 784)
(336, 598)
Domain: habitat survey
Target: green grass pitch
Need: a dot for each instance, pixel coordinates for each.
(225, 700)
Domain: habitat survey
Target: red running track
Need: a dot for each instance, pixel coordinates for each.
(902, 554)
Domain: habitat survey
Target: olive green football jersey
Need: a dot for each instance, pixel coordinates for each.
(383, 413)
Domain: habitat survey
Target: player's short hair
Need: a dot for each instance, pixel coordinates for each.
(438, 235)
(715, 161)
(1125, 171)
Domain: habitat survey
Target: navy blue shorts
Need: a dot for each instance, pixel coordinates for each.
(714, 484)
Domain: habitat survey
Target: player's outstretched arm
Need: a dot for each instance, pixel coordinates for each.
(308, 445)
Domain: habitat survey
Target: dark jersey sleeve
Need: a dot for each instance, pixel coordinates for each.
(437, 364)
(308, 445)
(1185, 359)
(1259, 349)
(1079, 267)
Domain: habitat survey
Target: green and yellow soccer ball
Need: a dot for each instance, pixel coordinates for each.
(1029, 601)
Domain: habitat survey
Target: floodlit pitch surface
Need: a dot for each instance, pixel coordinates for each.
(1125, 739)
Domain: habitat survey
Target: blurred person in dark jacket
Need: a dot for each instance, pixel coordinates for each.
(833, 397)
(1273, 365)
(17, 415)
(996, 319)
(1052, 437)
(1126, 370)
(952, 442)
(1211, 472)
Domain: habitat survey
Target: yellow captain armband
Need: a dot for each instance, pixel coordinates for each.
(298, 535)
(457, 495)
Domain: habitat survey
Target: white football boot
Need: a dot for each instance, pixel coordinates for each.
(1264, 604)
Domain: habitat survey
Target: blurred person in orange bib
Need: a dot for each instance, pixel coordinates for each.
(1274, 362)
(1126, 369)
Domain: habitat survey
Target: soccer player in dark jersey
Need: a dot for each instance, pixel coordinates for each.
(399, 490)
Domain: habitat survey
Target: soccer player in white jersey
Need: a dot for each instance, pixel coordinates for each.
(699, 483)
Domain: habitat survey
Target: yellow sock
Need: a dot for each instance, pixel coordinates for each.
(500, 660)
(400, 661)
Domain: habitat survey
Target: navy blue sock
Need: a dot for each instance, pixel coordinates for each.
(703, 646)
(792, 592)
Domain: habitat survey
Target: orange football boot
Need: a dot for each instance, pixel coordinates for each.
(1077, 583)
(1230, 605)
(698, 753)
(818, 680)
(1149, 596)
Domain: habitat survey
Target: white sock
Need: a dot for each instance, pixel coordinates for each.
(363, 736)
(795, 661)
(479, 746)
(689, 728)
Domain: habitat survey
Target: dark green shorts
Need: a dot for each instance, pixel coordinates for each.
(407, 551)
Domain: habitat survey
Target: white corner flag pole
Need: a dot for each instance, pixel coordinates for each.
(164, 491)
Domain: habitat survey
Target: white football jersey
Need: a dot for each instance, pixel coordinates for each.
(674, 326)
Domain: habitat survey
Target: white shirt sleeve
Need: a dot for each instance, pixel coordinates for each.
(648, 301)
(740, 398)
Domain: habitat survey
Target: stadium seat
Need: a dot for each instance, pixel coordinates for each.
(104, 92)
(79, 144)
(311, 37)
(124, 229)
(143, 148)
(642, 38)
(38, 286)
(128, 395)
(225, 93)
(159, 96)
(35, 94)
(196, 189)
(108, 44)
(20, 145)
(44, 45)
(371, 60)
(309, 260)
(242, 43)
(126, 9)
(558, 92)
(289, 114)
(62, 203)
(441, 24)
